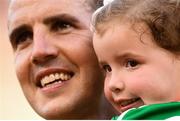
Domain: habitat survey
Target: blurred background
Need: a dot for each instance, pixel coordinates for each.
(13, 105)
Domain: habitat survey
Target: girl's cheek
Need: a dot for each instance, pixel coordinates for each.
(108, 94)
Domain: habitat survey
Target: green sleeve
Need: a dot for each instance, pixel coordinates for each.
(153, 112)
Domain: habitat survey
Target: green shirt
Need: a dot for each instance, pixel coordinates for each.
(151, 112)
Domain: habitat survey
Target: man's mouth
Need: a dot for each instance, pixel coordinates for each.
(55, 78)
(52, 77)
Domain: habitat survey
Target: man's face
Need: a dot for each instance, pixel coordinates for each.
(55, 62)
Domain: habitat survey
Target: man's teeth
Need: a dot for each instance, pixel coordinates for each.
(125, 103)
(55, 77)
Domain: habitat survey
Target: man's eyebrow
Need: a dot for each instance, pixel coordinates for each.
(62, 17)
(17, 30)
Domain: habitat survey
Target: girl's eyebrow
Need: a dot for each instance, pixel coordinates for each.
(127, 55)
(122, 56)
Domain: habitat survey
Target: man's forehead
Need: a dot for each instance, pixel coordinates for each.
(15, 4)
(23, 7)
(25, 11)
(20, 3)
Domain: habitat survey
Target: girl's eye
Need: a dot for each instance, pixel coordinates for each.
(107, 68)
(132, 63)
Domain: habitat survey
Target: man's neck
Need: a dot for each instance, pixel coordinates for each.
(104, 111)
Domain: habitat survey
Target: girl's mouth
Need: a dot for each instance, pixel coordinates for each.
(126, 104)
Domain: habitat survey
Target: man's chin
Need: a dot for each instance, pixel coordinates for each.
(53, 114)
(58, 111)
(61, 115)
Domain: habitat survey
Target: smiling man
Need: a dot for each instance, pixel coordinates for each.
(54, 58)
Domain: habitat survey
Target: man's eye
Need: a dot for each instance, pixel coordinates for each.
(23, 37)
(61, 26)
(107, 68)
(132, 63)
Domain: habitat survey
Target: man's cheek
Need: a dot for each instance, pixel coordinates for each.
(21, 66)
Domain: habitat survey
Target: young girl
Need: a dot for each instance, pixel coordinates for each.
(138, 46)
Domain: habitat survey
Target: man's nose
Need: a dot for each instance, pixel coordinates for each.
(43, 48)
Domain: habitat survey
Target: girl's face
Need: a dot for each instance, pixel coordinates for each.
(138, 72)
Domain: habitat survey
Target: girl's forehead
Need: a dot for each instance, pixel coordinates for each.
(114, 23)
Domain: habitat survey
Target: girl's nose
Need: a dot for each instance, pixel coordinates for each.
(116, 85)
